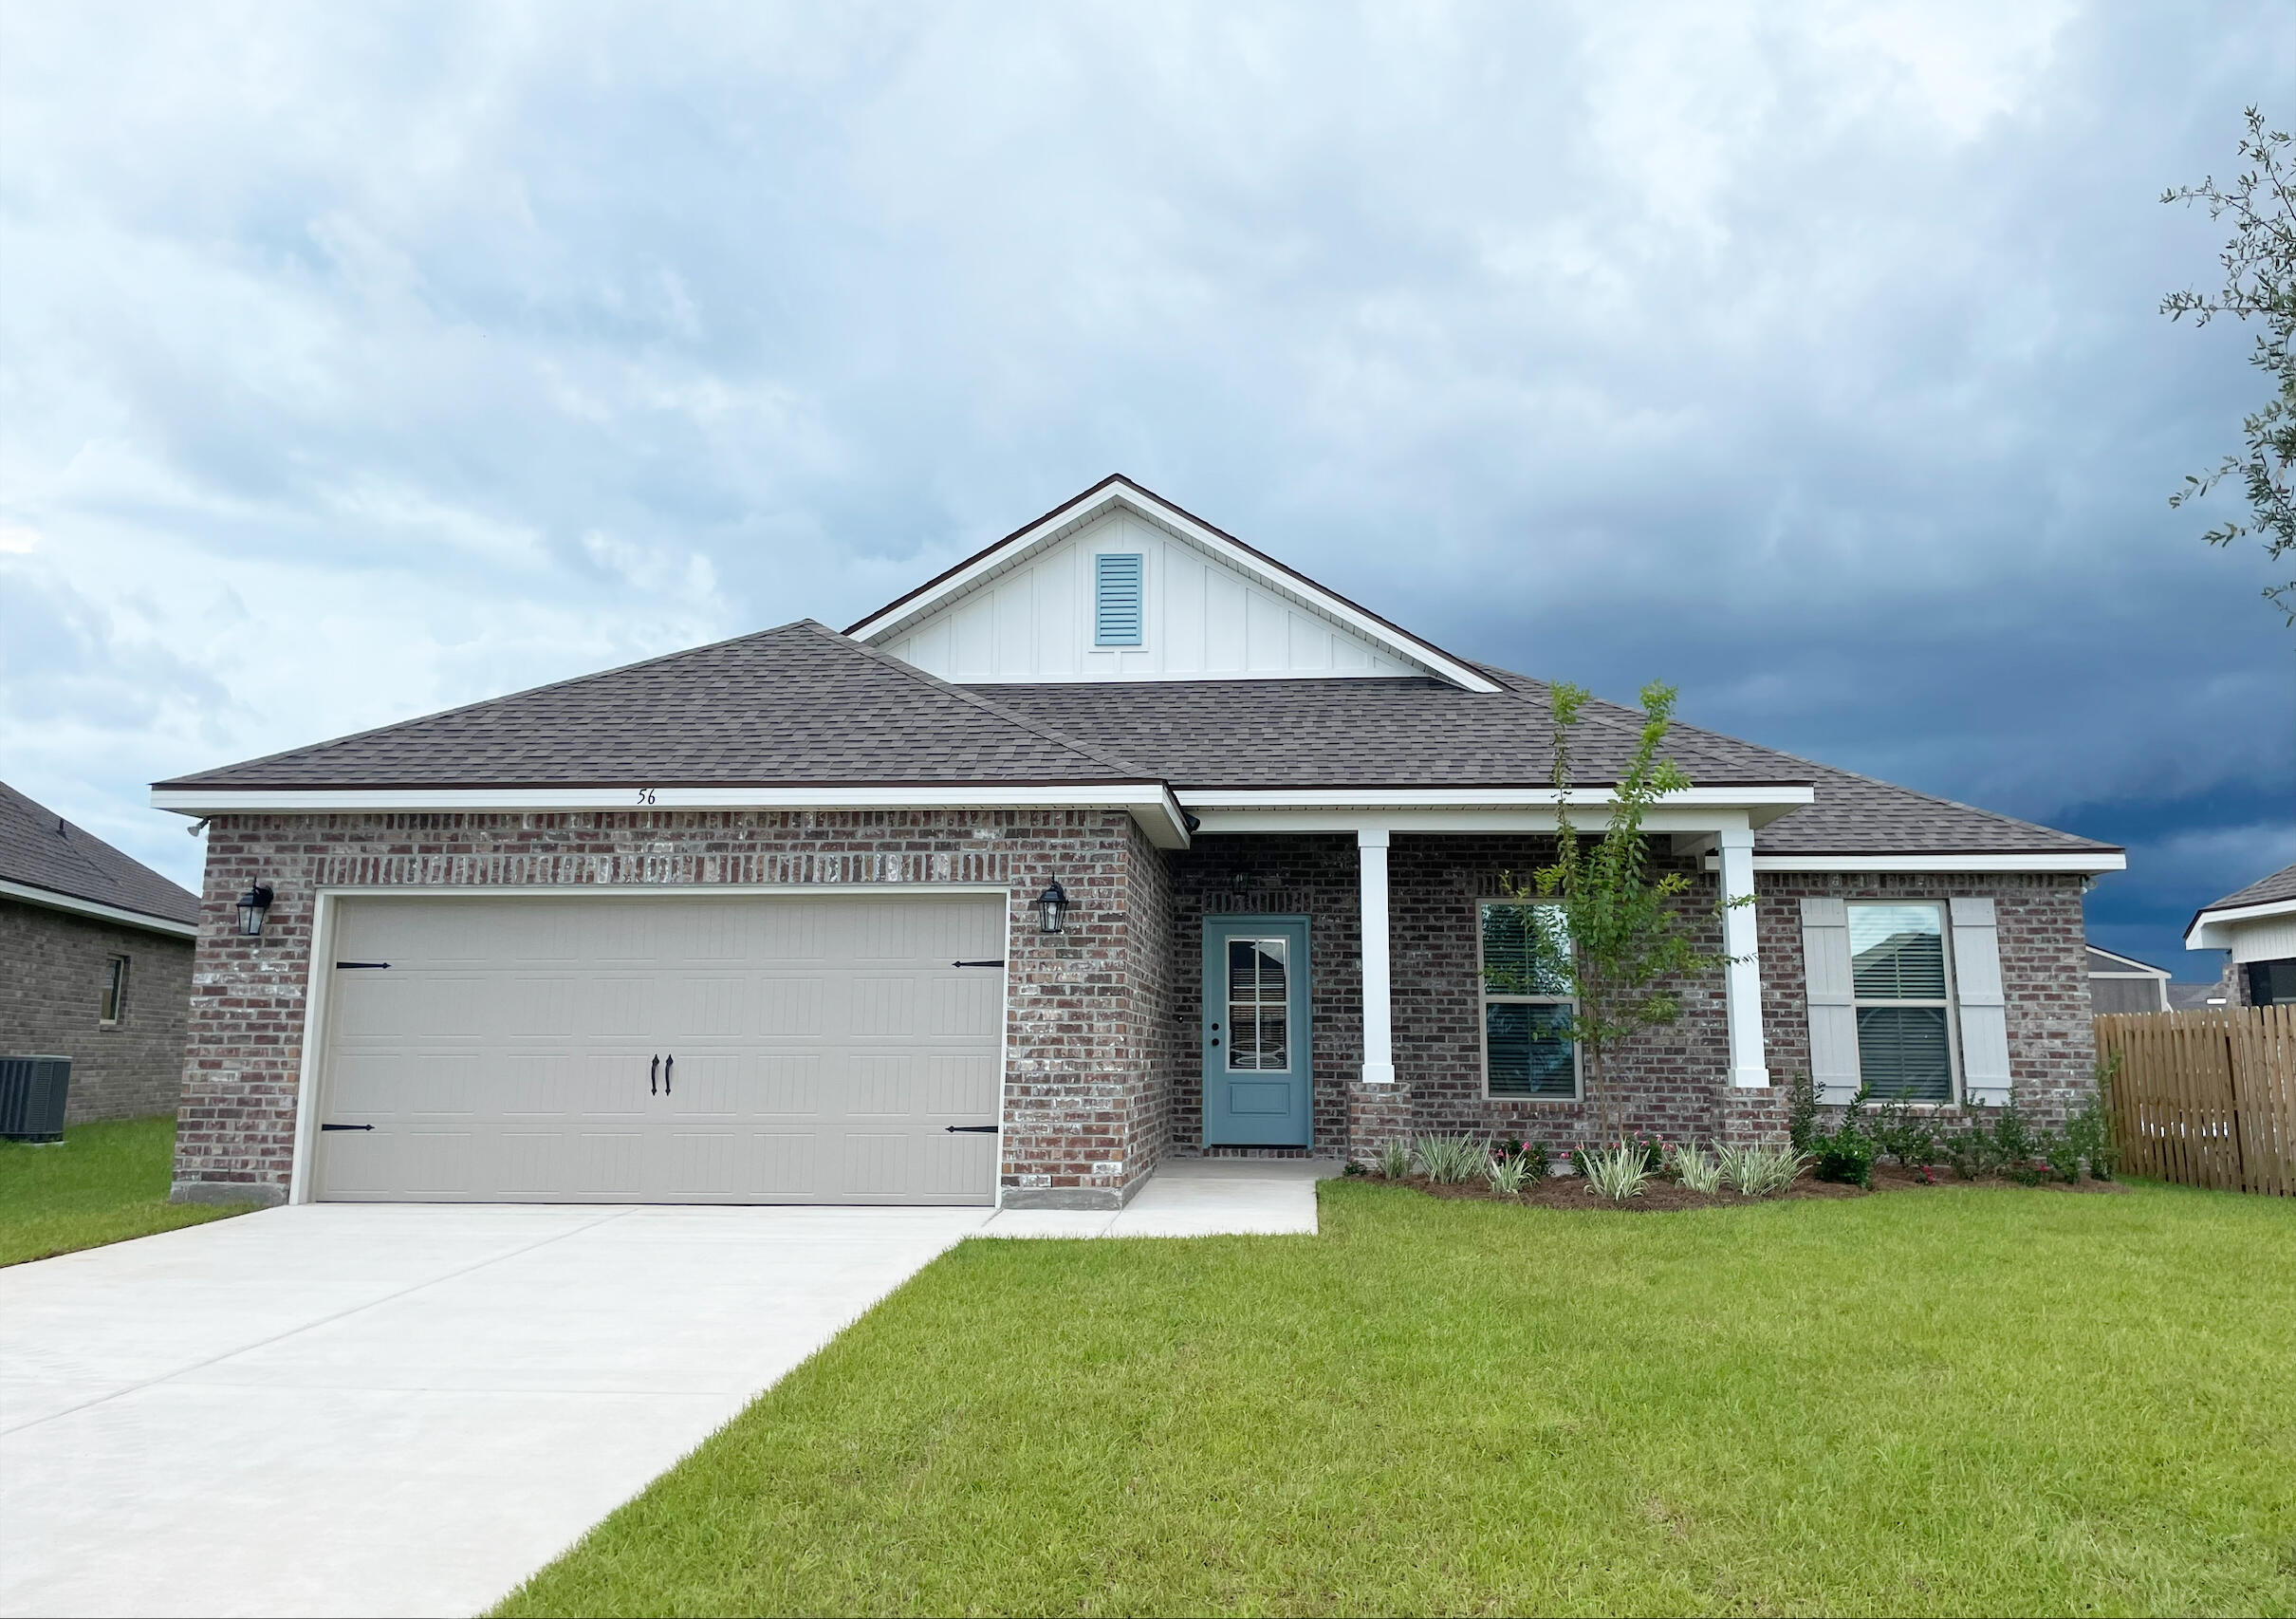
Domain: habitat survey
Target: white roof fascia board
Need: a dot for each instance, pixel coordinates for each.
(1293, 587)
(1151, 804)
(1483, 798)
(1466, 819)
(2085, 864)
(2135, 969)
(2209, 929)
(97, 908)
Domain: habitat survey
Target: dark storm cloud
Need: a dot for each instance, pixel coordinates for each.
(361, 363)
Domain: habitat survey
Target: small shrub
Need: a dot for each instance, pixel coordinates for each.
(2089, 1129)
(1617, 1173)
(1801, 1110)
(1538, 1162)
(1507, 1174)
(1353, 1167)
(1971, 1151)
(2016, 1146)
(2062, 1156)
(1395, 1161)
(1575, 1159)
(1451, 1161)
(1908, 1138)
(1846, 1153)
(1757, 1171)
(1654, 1152)
(1696, 1168)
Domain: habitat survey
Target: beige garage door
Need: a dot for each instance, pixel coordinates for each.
(818, 1050)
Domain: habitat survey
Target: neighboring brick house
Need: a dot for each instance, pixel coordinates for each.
(95, 963)
(1118, 841)
(2256, 927)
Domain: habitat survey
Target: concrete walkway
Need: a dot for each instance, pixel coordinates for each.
(408, 1408)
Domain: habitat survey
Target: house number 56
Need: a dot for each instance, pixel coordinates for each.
(645, 795)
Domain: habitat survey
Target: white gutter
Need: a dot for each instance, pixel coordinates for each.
(1150, 804)
(2084, 864)
(2207, 930)
(97, 908)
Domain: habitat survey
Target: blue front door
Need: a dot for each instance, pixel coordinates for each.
(1255, 1037)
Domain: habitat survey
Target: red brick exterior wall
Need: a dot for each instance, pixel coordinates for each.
(2044, 973)
(1083, 1086)
(1102, 1021)
(1302, 874)
(1677, 1077)
(53, 968)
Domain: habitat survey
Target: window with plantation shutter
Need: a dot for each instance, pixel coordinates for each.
(1116, 599)
(1901, 993)
(1527, 1052)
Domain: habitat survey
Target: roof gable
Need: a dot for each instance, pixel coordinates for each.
(1214, 608)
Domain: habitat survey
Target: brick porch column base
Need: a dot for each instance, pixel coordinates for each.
(1377, 1114)
(1751, 1118)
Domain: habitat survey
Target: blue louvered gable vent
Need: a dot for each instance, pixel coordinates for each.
(1116, 600)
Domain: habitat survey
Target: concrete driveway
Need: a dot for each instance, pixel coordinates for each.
(346, 1408)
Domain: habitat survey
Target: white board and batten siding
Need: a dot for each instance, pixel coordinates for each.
(1980, 1006)
(1200, 620)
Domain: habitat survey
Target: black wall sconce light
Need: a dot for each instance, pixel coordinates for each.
(1052, 909)
(254, 907)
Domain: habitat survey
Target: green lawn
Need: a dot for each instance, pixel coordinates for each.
(105, 1183)
(1958, 1402)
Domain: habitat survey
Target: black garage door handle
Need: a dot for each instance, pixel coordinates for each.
(669, 1065)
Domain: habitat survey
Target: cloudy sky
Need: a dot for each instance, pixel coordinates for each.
(357, 361)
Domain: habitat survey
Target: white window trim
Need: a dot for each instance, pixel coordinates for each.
(1484, 998)
(1950, 1003)
(115, 991)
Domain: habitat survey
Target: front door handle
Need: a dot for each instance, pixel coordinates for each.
(669, 1065)
(654, 1076)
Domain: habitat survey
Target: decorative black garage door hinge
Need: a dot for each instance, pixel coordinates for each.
(342, 964)
(346, 1126)
(998, 962)
(973, 1129)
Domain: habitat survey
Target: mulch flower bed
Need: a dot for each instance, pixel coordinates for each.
(1658, 1196)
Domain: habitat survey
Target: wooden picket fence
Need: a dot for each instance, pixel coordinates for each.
(2205, 1098)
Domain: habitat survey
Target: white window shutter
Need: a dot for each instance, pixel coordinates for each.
(1830, 986)
(1985, 1063)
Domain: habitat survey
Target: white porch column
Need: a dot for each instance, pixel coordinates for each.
(1749, 1067)
(1378, 1023)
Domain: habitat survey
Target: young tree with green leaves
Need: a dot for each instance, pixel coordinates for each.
(2259, 285)
(1631, 946)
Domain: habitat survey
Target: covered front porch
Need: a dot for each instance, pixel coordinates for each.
(1329, 991)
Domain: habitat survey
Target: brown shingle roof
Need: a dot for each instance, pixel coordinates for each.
(803, 706)
(2279, 886)
(41, 849)
(800, 705)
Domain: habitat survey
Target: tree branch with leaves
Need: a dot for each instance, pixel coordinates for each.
(2259, 285)
(1632, 945)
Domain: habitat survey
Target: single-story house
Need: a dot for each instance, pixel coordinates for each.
(95, 963)
(2122, 983)
(2257, 924)
(1118, 840)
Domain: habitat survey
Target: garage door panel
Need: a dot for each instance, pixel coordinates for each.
(789, 1008)
(884, 1007)
(780, 1084)
(962, 1088)
(784, 1164)
(707, 1084)
(824, 1044)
